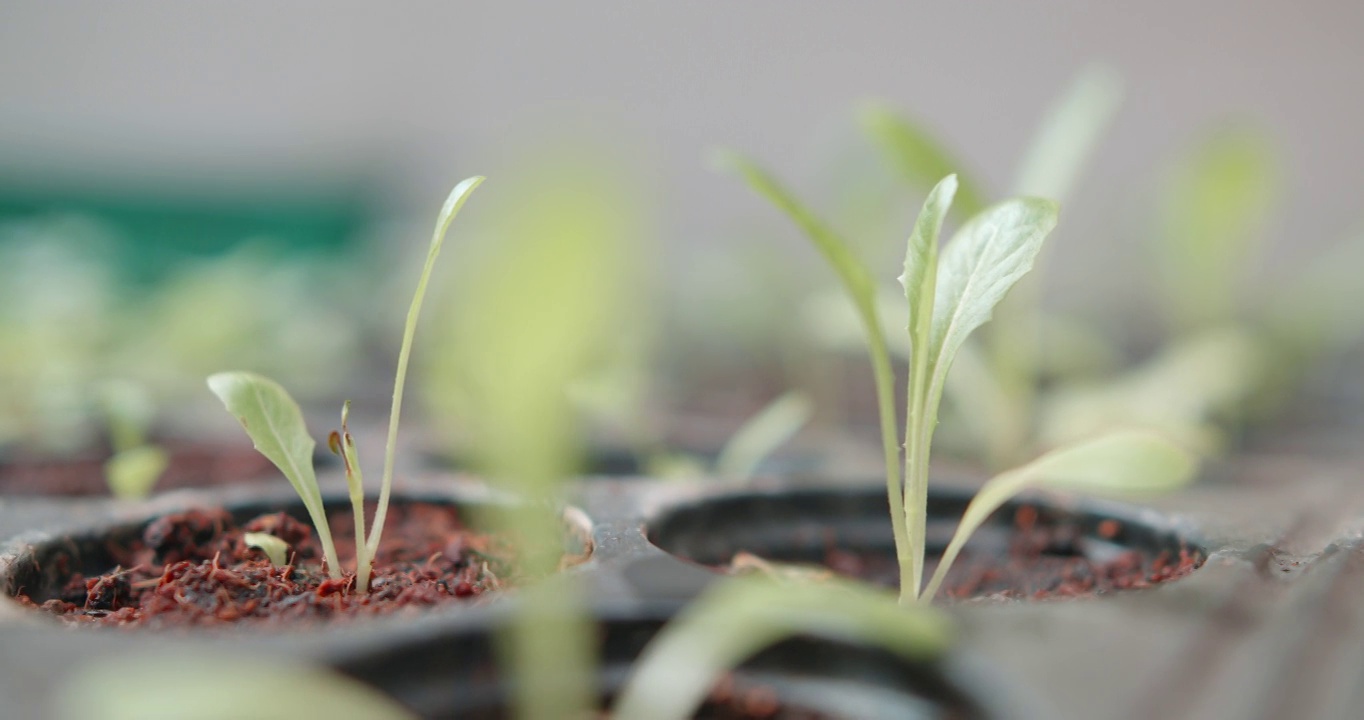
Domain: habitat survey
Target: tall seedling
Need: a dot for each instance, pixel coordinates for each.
(949, 297)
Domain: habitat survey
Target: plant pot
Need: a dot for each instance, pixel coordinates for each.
(185, 563)
(454, 674)
(1034, 547)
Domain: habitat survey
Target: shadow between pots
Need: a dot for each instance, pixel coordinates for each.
(193, 566)
(454, 674)
(1037, 546)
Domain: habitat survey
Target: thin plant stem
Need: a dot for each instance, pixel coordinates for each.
(452, 206)
(884, 378)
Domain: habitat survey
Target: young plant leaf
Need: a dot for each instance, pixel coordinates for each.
(762, 434)
(739, 616)
(275, 425)
(983, 260)
(862, 290)
(189, 685)
(920, 280)
(1124, 461)
(1068, 134)
(274, 548)
(448, 211)
(919, 157)
(1214, 209)
(132, 473)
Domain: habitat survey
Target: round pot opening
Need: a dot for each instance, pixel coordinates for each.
(195, 568)
(1030, 548)
(455, 675)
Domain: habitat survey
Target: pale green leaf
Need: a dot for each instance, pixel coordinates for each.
(275, 425)
(739, 616)
(1177, 393)
(837, 251)
(448, 211)
(983, 260)
(133, 473)
(1214, 211)
(863, 292)
(762, 434)
(919, 157)
(1125, 461)
(274, 548)
(921, 258)
(1068, 135)
(200, 686)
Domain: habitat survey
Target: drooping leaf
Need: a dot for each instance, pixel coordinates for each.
(1179, 393)
(275, 425)
(1213, 213)
(862, 290)
(921, 160)
(132, 473)
(1125, 461)
(837, 251)
(274, 548)
(982, 261)
(1068, 135)
(762, 434)
(740, 616)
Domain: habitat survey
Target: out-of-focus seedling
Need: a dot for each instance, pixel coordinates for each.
(738, 617)
(275, 424)
(135, 465)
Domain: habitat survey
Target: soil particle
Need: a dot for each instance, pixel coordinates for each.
(195, 569)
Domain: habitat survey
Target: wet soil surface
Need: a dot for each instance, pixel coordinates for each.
(1035, 561)
(195, 569)
(191, 465)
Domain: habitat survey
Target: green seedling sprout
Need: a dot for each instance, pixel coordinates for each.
(762, 434)
(742, 456)
(739, 616)
(135, 465)
(951, 295)
(1213, 211)
(997, 404)
(275, 424)
(274, 548)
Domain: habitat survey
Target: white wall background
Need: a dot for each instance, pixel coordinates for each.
(431, 91)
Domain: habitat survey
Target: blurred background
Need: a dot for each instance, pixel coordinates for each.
(307, 146)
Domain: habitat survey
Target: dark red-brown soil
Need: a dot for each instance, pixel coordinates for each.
(194, 568)
(1037, 561)
(191, 465)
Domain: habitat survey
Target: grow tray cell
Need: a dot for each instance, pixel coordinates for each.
(454, 674)
(194, 568)
(1036, 547)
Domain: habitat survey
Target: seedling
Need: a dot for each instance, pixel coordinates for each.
(997, 388)
(136, 465)
(275, 424)
(740, 616)
(948, 299)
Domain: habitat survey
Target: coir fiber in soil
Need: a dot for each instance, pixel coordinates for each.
(1036, 561)
(194, 568)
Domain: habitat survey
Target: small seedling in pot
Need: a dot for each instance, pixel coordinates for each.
(949, 297)
(275, 424)
(136, 464)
